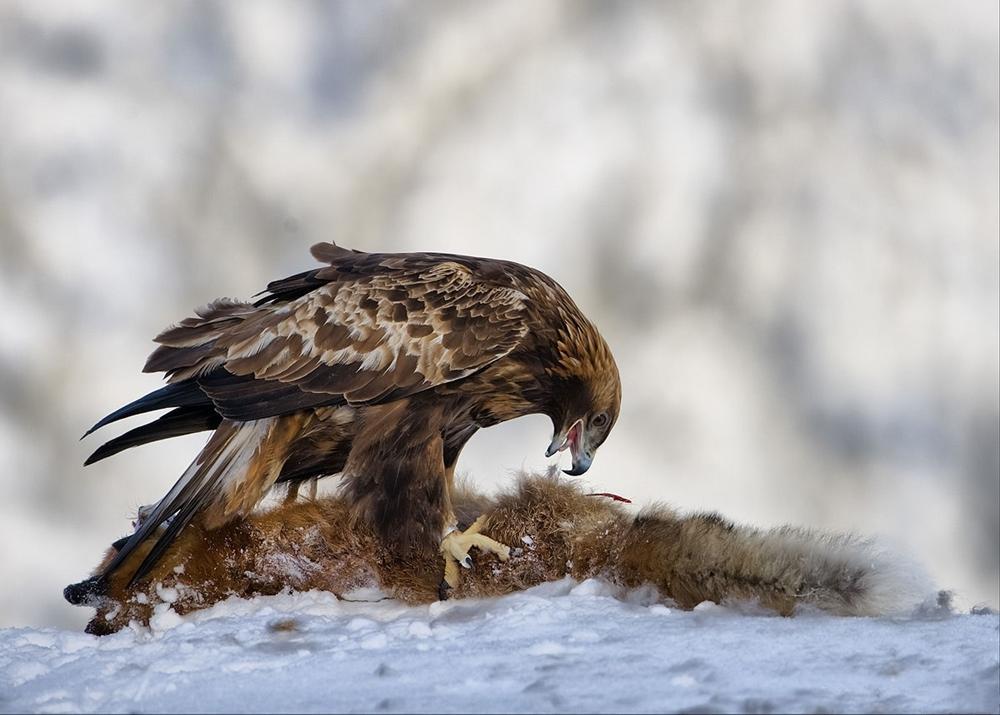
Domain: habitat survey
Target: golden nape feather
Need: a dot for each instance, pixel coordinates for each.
(555, 529)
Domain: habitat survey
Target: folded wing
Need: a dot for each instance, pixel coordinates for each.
(367, 329)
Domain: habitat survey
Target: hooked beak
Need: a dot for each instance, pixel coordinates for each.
(573, 439)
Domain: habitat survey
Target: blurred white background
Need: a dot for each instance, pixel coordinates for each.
(782, 215)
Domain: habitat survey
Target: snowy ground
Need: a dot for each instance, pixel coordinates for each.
(559, 647)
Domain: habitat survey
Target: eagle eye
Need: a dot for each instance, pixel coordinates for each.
(599, 420)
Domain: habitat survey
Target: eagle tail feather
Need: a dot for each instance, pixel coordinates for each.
(201, 481)
(181, 519)
(177, 422)
(179, 394)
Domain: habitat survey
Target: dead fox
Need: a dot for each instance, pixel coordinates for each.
(554, 530)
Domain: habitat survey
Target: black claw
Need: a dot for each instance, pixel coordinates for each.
(443, 589)
(467, 562)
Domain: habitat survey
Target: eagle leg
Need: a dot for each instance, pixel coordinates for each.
(455, 549)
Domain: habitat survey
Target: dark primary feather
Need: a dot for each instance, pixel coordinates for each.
(177, 422)
(185, 498)
(175, 395)
(242, 398)
(178, 521)
(290, 288)
(296, 286)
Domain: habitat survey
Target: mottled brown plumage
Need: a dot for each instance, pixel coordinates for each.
(379, 367)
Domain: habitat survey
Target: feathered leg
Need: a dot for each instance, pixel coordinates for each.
(400, 476)
(395, 479)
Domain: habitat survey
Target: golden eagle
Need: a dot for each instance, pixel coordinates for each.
(378, 367)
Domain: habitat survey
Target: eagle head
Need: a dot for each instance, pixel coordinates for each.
(586, 396)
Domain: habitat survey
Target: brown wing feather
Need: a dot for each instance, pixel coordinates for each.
(365, 329)
(379, 326)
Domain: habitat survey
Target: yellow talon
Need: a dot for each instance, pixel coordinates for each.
(455, 549)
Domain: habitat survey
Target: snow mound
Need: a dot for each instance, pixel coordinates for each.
(562, 646)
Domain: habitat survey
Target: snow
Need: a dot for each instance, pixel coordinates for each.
(563, 646)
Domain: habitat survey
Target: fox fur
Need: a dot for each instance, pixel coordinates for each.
(556, 530)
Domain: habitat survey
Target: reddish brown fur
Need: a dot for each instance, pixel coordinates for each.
(317, 544)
